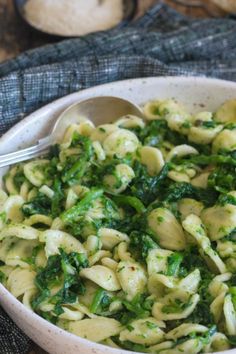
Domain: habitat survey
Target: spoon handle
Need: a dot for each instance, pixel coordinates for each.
(26, 154)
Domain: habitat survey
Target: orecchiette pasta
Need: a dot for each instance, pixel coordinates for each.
(178, 122)
(12, 208)
(120, 179)
(100, 153)
(110, 237)
(187, 206)
(34, 172)
(201, 180)
(156, 109)
(157, 261)
(167, 229)
(219, 220)
(175, 306)
(120, 142)
(159, 284)
(10, 180)
(102, 132)
(97, 256)
(152, 158)
(83, 126)
(185, 329)
(130, 121)
(226, 112)
(204, 129)
(95, 329)
(179, 176)
(38, 219)
(230, 315)
(122, 252)
(21, 231)
(125, 233)
(103, 276)
(55, 239)
(226, 141)
(44, 189)
(180, 151)
(109, 263)
(71, 314)
(150, 326)
(218, 342)
(92, 244)
(20, 280)
(193, 225)
(132, 278)
(19, 252)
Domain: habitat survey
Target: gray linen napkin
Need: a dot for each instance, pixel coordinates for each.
(160, 43)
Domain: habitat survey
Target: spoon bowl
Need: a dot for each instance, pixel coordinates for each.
(97, 108)
(102, 108)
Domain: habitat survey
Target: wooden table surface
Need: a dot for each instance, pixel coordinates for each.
(16, 37)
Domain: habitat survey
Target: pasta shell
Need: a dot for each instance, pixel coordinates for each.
(225, 140)
(95, 329)
(102, 132)
(21, 280)
(219, 220)
(132, 278)
(120, 143)
(226, 112)
(230, 315)
(167, 230)
(180, 151)
(21, 231)
(144, 331)
(56, 239)
(193, 225)
(34, 171)
(129, 121)
(185, 329)
(152, 158)
(110, 237)
(102, 276)
(159, 310)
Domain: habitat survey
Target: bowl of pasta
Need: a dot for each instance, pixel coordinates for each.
(122, 238)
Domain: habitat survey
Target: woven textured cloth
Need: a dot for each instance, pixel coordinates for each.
(160, 43)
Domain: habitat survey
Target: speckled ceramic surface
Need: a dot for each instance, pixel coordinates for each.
(197, 94)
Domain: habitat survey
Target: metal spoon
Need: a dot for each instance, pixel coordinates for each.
(100, 109)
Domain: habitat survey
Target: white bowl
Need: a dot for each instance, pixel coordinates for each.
(197, 94)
